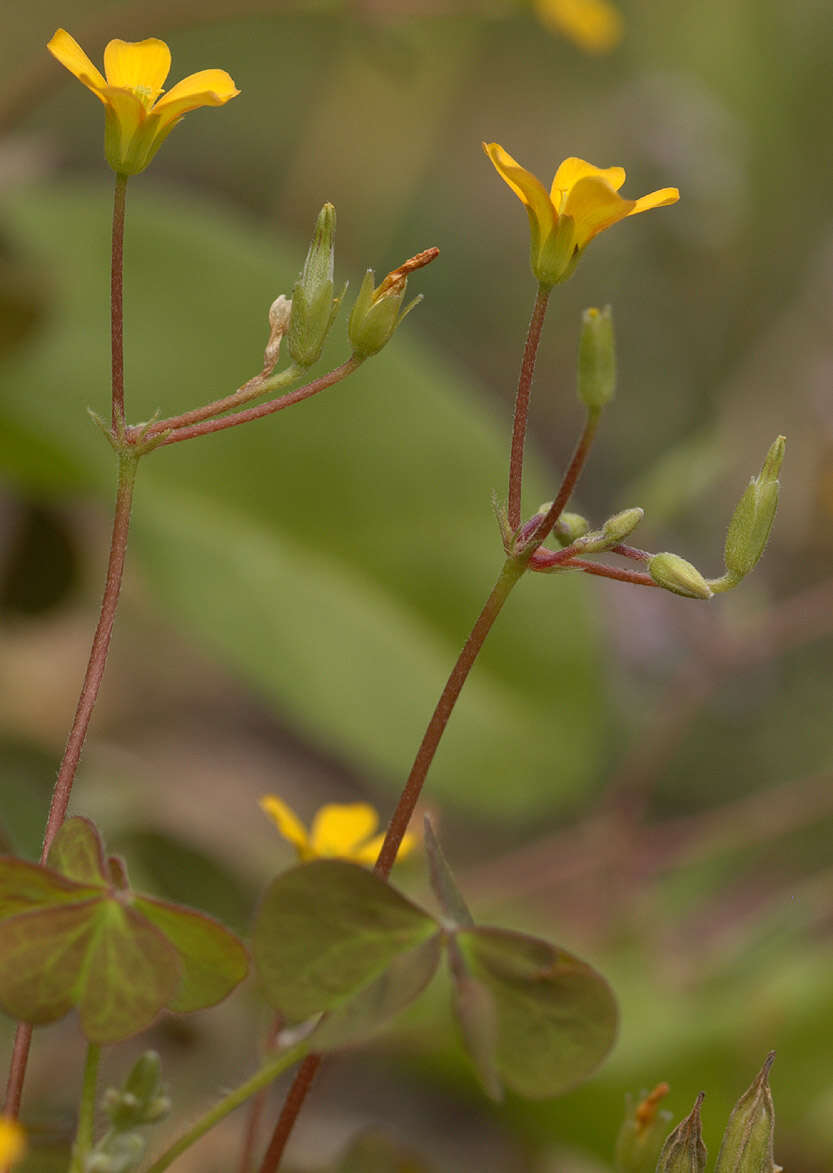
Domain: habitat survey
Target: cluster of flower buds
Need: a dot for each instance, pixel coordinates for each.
(140, 1102)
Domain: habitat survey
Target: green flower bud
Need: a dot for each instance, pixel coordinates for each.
(684, 1151)
(753, 517)
(641, 1134)
(313, 305)
(140, 1101)
(596, 359)
(621, 524)
(673, 573)
(747, 1145)
(569, 528)
(378, 309)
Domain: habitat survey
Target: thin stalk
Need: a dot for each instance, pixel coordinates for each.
(77, 735)
(261, 384)
(263, 409)
(98, 654)
(86, 1114)
(516, 456)
(268, 1072)
(511, 572)
(603, 571)
(117, 303)
(544, 527)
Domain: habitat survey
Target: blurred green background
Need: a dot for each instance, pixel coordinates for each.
(643, 779)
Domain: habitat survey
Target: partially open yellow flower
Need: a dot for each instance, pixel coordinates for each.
(12, 1141)
(583, 201)
(138, 120)
(593, 25)
(338, 831)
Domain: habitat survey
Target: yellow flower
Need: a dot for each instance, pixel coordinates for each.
(338, 831)
(138, 120)
(12, 1141)
(593, 25)
(583, 201)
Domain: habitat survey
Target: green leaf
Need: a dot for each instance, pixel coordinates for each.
(402, 981)
(443, 883)
(212, 959)
(27, 886)
(131, 974)
(476, 1013)
(77, 852)
(347, 628)
(42, 957)
(556, 1017)
(327, 930)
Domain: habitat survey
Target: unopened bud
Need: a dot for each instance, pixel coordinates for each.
(596, 359)
(673, 573)
(313, 305)
(621, 524)
(570, 527)
(378, 309)
(684, 1151)
(640, 1137)
(747, 1145)
(279, 314)
(752, 520)
(140, 1100)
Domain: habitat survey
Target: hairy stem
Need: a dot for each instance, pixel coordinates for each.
(117, 303)
(263, 409)
(268, 1072)
(259, 385)
(86, 1114)
(512, 570)
(516, 457)
(544, 527)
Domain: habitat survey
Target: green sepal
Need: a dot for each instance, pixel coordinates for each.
(684, 1151)
(329, 930)
(747, 1145)
(752, 520)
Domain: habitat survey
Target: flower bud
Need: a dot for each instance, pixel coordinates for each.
(621, 524)
(569, 527)
(747, 1145)
(596, 359)
(684, 1151)
(640, 1137)
(673, 573)
(140, 1101)
(376, 313)
(753, 517)
(313, 305)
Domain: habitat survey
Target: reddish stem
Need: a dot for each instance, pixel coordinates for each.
(609, 572)
(264, 409)
(516, 456)
(545, 526)
(117, 302)
(510, 574)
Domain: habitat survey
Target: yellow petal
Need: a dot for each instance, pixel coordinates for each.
(594, 206)
(526, 187)
(12, 1141)
(140, 66)
(657, 199)
(341, 830)
(573, 169)
(209, 87)
(125, 114)
(66, 49)
(594, 25)
(287, 822)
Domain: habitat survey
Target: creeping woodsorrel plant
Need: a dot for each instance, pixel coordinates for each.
(337, 949)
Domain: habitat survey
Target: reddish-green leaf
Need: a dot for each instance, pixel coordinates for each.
(78, 853)
(42, 955)
(327, 930)
(132, 972)
(556, 1017)
(212, 960)
(26, 886)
